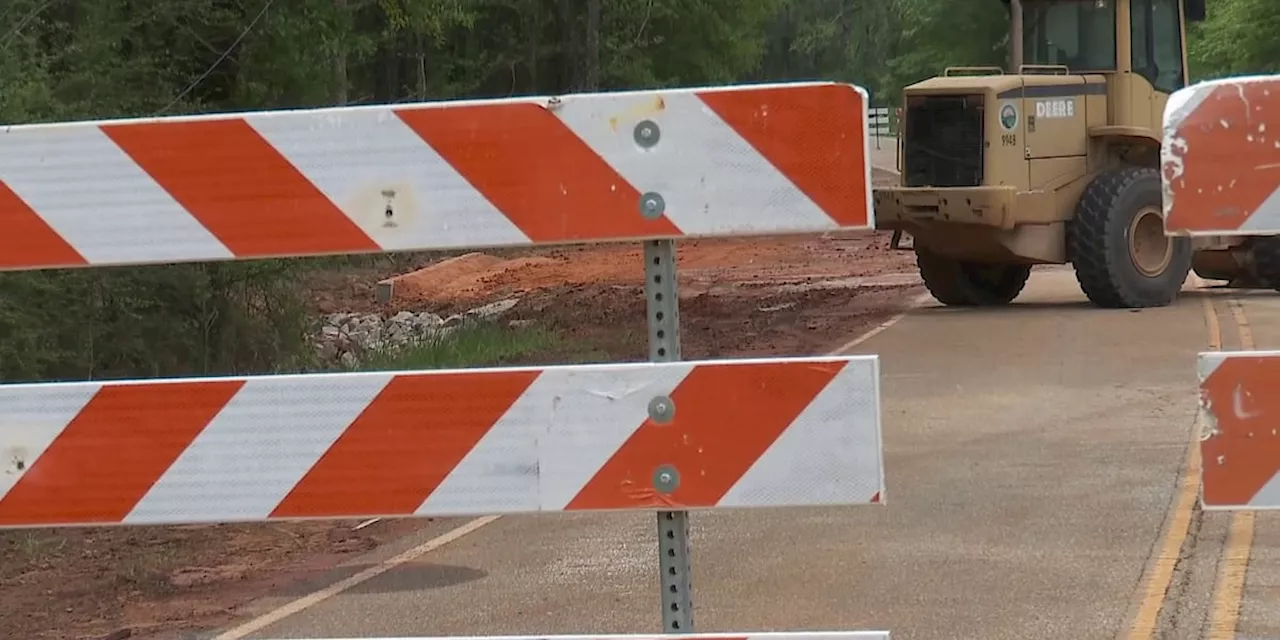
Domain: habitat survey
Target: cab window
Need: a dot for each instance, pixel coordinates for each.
(1080, 34)
(1157, 43)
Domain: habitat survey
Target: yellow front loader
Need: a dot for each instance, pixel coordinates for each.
(1056, 163)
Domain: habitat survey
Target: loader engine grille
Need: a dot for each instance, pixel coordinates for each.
(943, 141)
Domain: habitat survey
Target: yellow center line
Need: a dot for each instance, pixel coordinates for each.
(1160, 575)
(1242, 324)
(1144, 626)
(1228, 593)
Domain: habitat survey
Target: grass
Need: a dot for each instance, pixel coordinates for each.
(34, 546)
(470, 345)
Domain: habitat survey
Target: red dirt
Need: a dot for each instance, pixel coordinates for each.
(476, 277)
(755, 322)
(741, 297)
(105, 582)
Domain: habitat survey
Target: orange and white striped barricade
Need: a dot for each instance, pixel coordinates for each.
(764, 159)
(1221, 176)
(1241, 413)
(1220, 158)
(645, 166)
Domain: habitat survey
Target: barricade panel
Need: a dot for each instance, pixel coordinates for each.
(1241, 446)
(742, 160)
(1220, 158)
(680, 435)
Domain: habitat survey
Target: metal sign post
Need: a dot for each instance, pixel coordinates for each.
(663, 309)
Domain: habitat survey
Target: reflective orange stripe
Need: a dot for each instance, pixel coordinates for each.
(799, 131)
(725, 418)
(240, 188)
(26, 240)
(540, 174)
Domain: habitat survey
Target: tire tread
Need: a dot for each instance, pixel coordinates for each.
(1091, 246)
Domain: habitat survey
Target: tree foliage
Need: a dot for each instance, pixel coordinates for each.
(1239, 37)
(73, 59)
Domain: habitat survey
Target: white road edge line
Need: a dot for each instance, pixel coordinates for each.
(911, 306)
(316, 597)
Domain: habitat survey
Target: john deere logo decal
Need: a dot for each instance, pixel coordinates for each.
(1008, 116)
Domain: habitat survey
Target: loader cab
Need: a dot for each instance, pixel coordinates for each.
(1138, 45)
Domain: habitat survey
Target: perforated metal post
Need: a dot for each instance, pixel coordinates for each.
(673, 526)
(663, 309)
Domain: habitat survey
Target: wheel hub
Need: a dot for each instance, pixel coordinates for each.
(1149, 248)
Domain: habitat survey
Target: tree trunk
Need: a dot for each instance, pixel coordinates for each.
(420, 64)
(341, 84)
(570, 77)
(533, 33)
(591, 72)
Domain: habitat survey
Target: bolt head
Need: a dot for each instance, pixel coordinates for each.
(652, 205)
(666, 479)
(661, 409)
(647, 133)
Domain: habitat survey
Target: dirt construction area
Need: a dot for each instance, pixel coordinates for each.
(740, 297)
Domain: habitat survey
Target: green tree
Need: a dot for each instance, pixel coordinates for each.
(1237, 38)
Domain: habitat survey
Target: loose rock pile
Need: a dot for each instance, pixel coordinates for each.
(344, 336)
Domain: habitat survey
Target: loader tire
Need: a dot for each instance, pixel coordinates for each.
(1117, 245)
(970, 284)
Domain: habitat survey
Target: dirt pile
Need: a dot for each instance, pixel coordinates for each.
(702, 265)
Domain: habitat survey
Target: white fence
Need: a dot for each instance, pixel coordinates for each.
(878, 122)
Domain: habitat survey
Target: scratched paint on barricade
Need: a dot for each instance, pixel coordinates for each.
(1241, 448)
(1220, 157)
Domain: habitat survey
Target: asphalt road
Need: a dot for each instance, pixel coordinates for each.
(1033, 459)
(1259, 618)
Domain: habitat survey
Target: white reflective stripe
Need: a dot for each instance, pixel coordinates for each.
(31, 417)
(257, 448)
(1266, 218)
(1268, 497)
(101, 202)
(365, 160)
(553, 440)
(1208, 362)
(596, 413)
(695, 148)
(830, 452)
